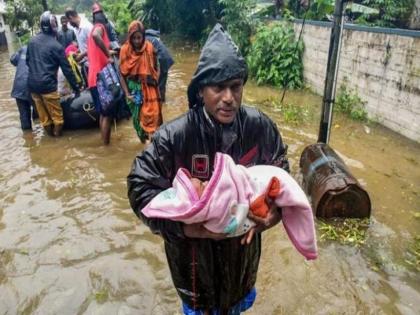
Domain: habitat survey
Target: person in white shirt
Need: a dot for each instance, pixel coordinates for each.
(82, 28)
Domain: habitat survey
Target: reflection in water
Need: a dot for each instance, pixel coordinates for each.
(70, 244)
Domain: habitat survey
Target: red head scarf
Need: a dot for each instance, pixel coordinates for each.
(137, 62)
(136, 26)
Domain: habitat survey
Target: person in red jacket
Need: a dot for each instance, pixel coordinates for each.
(99, 55)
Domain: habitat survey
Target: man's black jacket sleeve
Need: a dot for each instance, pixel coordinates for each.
(14, 59)
(274, 150)
(150, 174)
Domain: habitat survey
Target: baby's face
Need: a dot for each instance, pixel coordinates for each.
(198, 185)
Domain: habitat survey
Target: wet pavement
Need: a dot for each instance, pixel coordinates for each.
(70, 244)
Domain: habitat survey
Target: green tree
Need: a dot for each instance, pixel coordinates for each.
(194, 18)
(24, 14)
(119, 13)
(44, 5)
(276, 57)
(154, 14)
(318, 9)
(236, 16)
(190, 18)
(81, 6)
(392, 13)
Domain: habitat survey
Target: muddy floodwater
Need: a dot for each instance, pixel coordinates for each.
(70, 243)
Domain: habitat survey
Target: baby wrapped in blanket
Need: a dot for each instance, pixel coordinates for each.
(233, 191)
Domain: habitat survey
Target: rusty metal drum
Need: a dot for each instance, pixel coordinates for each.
(333, 190)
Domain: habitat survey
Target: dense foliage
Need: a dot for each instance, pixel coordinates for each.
(316, 10)
(59, 6)
(155, 14)
(276, 56)
(23, 13)
(320, 9)
(188, 18)
(194, 19)
(236, 16)
(391, 13)
(119, 13)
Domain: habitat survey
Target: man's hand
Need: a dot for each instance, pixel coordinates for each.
(78, 57)
(273, 217)
(130, 97)
(197, 230)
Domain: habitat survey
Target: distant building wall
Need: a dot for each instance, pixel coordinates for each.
(382, 65)
(3, 40)
(4, 29)
(2, 7)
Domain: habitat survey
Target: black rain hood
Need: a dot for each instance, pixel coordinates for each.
(220, 60)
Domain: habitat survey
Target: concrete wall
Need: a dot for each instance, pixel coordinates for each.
(382, 65)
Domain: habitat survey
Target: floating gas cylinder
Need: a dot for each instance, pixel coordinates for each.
(334, 191)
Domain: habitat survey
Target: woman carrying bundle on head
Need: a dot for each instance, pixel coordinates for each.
(140, 71)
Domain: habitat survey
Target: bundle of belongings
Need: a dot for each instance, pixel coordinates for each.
(63, 86)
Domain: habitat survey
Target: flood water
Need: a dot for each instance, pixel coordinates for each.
(70, 244)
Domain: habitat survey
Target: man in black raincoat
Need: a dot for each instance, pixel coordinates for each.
(165, 60)
(43, 57)
(210, 272)
(20, 90)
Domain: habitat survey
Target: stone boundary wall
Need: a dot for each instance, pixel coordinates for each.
(382, 65)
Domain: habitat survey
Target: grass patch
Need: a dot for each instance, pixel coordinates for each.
(292, 113)
(344, 231)
(413, 254)
(349, 103)
(101, 296)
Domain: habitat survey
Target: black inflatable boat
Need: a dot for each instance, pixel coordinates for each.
(80, 113)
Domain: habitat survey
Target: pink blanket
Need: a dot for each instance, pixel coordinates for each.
(226, 200)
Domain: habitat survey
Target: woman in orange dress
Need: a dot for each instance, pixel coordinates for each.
(140, 72)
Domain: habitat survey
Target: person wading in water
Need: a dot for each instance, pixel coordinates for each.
(140, 71)
(212, 274)
(99, 55)
(44, 56)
